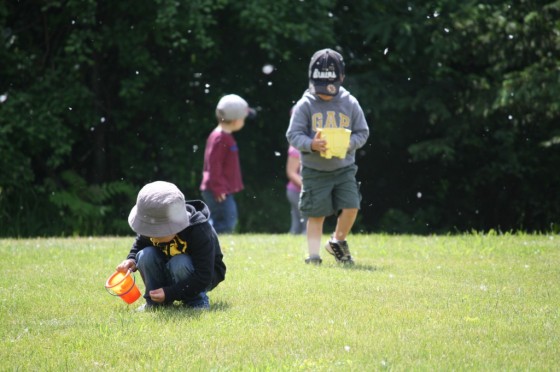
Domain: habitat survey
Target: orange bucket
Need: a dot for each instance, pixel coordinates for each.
(124, 286)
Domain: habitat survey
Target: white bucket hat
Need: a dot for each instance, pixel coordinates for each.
(159, 211)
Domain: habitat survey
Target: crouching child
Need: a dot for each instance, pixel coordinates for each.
(176, 249)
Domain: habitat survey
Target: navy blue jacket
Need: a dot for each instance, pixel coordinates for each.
(202, 245)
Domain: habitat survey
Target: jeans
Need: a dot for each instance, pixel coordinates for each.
(223, 216)
(299, 223)
(159, 271)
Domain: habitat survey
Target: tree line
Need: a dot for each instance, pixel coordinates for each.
(98, 98)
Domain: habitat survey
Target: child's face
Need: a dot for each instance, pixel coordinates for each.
(162, 239)
(324, 97)
(237, 125)
(233, 126)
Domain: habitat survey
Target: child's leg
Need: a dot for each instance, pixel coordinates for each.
(151, 264)
(223, 214)
(181, 267)
(293, 198)
(314, 234)
(344, 223)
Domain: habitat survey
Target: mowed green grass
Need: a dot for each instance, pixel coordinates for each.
(464, 302)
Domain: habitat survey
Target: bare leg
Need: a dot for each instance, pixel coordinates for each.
(314, 234)
(344, 223)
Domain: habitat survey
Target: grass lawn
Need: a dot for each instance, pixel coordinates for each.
(463, 302)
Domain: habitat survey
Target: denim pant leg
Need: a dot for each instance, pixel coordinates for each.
(223, 216)
(151, 263)
(299, 223)
(181, 267)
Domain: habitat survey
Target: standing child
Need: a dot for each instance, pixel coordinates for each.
(176, 250)
(329, 185)
(221, 176)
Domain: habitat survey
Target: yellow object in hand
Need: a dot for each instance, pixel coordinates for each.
(338, 141)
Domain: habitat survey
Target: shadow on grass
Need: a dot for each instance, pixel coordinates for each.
(360, 267)
(219, 306)
(180, 311)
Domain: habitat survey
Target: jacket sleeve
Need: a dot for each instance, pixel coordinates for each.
(360, 129)
(299, 133)
(139, 243)
(201, 240)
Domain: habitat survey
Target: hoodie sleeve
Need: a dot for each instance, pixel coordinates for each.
(299, 133)
(360, 129)
(139, 243)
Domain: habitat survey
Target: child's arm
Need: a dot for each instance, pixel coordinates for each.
(216, 180)
(130, 263)
(360, 129)
(299, 131)
(292, 170)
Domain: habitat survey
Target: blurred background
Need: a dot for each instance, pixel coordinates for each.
(98, 98)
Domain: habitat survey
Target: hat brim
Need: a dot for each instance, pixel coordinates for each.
(154, 228)
(251, 113)
(328, 88)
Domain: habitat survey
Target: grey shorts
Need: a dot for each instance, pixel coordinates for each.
(326, 193)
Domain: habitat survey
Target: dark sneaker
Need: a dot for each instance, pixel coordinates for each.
(314, 260)
(198, 302)
(340, 251)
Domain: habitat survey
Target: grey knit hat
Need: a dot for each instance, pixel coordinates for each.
(232, 107)
(160, 210)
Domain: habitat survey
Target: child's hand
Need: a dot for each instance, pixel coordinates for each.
(126, 265)
(318, 144)
(221, 197)
(157, 295)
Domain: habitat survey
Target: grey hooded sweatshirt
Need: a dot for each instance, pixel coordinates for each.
(311, 112)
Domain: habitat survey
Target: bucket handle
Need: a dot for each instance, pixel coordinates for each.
(107, 287)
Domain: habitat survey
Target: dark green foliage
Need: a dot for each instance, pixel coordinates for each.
(464, 114)
(90, 209)
(99, 98)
